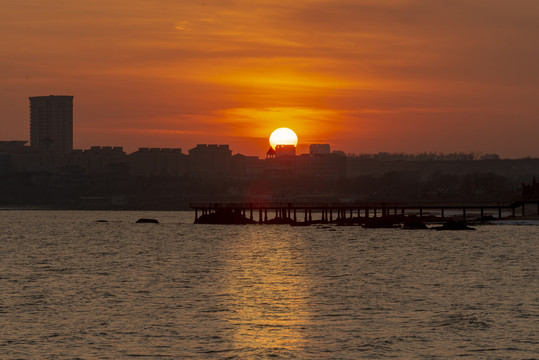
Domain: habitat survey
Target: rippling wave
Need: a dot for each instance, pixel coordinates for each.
(78, 288)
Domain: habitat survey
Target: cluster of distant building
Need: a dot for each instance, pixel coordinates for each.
(51, 150)
(426, 156)
(49, 172)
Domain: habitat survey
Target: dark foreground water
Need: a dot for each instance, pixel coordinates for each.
(72, 287)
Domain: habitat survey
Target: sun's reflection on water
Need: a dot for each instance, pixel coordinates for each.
(268, 286)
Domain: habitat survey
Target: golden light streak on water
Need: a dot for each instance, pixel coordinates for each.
(270, 290)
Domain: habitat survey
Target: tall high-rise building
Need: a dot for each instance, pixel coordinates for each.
(51, 123)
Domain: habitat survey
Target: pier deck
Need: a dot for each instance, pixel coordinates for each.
(333, 211)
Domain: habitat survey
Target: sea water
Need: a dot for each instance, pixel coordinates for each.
(75, 288)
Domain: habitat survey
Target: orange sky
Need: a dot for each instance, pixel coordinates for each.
(363, 75)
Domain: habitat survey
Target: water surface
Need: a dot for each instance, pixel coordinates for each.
(72, 287)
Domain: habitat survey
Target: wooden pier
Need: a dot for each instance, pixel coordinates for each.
(307, 212)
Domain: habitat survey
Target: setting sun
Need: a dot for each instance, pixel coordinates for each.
(283, 136)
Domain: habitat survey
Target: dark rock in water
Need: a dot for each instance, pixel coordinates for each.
(147, 221)
(414, 225)
(346, 221)
(316, 222)
(279, 221)
(486, 218)
(454, 225)
(102, 221)
(300, 223)
(379, 223)
(224, 217)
